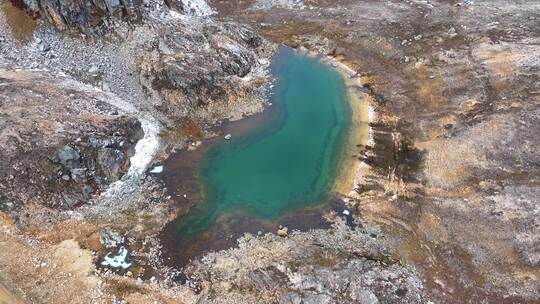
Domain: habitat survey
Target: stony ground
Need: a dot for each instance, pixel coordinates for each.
(454, 165)
(447, 198)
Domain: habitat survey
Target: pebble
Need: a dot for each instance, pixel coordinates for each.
(93, 69)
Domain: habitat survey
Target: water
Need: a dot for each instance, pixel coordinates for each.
(286, 163)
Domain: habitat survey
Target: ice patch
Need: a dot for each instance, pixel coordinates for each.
(146, 148)
(117, 261)
(157, 169)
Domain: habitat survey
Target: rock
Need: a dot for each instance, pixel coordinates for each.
(87, 191)
(319, 299)
(78, 174)
(69, 157)
(85, 15)
(291, 298)
(93, 69)
(364, 296)
(110, 238)
(113, 162)
(283, 231)
(44, 48)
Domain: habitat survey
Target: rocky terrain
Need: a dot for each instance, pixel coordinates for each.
(453, 173)
(93, 92)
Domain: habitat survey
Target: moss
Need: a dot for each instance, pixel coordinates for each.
(325, 259)
(182, 130)
(3, 197)
(121, 288)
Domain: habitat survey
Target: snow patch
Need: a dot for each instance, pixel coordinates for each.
(147, 147)
(157, 169)
(371, 118)
(117, 261)
(197, 8)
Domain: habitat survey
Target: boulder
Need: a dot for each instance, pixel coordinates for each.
(69, 157)
(110, 238)
(113, 162)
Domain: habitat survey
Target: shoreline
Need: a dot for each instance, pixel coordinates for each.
(351, 168)
(342, 183)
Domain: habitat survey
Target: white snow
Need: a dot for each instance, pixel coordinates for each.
(197, 8)
(147, 147)
(118, 260)
(371, 118)
(157, 169)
